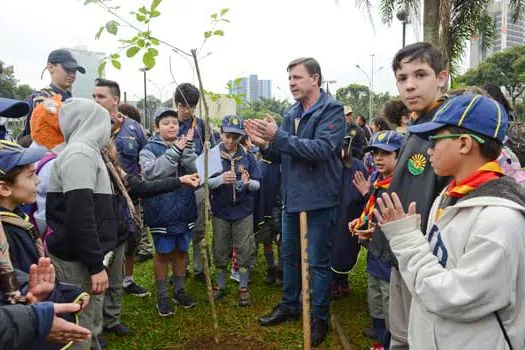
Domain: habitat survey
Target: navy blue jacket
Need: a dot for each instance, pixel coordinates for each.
(345, 247)
(173, 211)
(310, 159)
(269, 195)
(221, 198)
(22, 244)
(129, 141)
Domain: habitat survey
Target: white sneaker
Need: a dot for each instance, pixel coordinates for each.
(235, 276)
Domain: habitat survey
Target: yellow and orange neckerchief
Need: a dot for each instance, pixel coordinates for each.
(367, 216)
(456, 190)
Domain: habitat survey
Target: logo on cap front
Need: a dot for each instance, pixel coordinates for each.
(381, 136)
(235, 121)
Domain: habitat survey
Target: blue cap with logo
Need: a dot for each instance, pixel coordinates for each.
(66, 59)
(161, 112)
(233, 124)
(12, 108)
(477, 113)
(389, 141)
(12, 155)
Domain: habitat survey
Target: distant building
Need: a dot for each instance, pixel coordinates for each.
(508, 33)
(252, 88)
(84, 83)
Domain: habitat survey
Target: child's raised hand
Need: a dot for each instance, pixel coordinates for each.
(361, 183)
(41, 279)
(389, 209)
(190, 134)
(245, 177)
(181, 142)
(229, 177)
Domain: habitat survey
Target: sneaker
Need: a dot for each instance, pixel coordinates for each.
(219, 293)
(102, 342)
(319, 331)
(183, 300)
(164, 307)
(119, 330)
(235, 276)
(370, 333)
(136, 290)
(244, 297)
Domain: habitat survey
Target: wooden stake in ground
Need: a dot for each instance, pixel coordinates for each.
(341, 333)
(204, 243)
(307, 336)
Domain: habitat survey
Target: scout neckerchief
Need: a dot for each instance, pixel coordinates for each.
(23, 222)
(366, 218)
(489, 171)
(226, 156)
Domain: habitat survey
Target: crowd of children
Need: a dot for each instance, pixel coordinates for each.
(428, 200)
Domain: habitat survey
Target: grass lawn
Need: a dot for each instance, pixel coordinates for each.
(149, 331)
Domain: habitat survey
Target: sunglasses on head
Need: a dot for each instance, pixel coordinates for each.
(434, 138)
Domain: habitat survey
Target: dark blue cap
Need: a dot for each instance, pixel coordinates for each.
(66, 59)
(233, 124)
(12, 155)
(477, 113)
(13, 108)
(164, 111)
(389, 141)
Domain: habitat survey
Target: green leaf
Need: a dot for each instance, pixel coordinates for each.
(143, 10)
(149, 60)
(154, 41)
(141, 18)
(100, 30)
(132, 51)
(225, 20)
(214, 16)
(154, 13)
(153, 51)
(218, 32)
(207, 34)
(135, 38)
(116, 64)
(140, 43)
(115, 56)
(112, 27)
(90, 2)
(224, 11)
(154, 4)
(101, 67)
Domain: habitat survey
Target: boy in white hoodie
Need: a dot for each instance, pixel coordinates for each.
(467, 274)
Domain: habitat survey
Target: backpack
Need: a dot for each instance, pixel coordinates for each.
(43, 235)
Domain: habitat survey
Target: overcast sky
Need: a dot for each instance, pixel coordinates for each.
(261, 39)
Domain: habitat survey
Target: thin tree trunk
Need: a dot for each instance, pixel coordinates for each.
(431, 21)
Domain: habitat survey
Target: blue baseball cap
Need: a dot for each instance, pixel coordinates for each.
(233, 124)
(12, 155)
(66, 59)
(164, 111)
(389, 141)
(12, 108)
(478, 113)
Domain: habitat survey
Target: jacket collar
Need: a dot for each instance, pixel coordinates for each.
(296, 110)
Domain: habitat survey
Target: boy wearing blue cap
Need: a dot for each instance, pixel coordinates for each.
(232, 206)
(467, 274)
(170, 216)
(385, 147)
(18, 185)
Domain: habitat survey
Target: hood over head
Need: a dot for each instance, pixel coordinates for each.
(85, 121)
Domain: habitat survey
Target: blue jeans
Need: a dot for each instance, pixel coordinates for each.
(320, 223)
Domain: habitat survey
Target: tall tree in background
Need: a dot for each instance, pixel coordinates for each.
(358, 97)
(505, 69)
(9, 84)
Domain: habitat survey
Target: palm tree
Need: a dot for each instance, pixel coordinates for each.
(449, 24)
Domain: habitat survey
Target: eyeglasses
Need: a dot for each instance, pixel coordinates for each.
(181, 105)
(434, 138)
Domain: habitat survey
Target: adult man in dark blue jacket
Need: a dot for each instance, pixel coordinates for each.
(308, 145)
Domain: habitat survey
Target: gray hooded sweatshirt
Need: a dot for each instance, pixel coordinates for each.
(80, 206)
